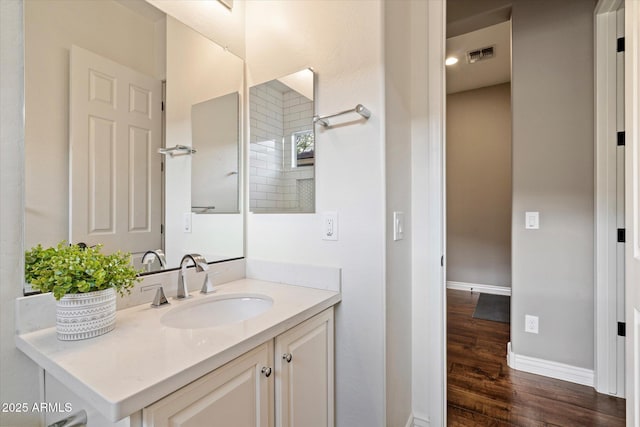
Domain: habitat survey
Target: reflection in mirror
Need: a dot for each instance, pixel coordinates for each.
(282, 145)
(110, 188)
(198, 71)
(214, 175)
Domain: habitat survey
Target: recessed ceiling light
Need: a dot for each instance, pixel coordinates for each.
(451, 60)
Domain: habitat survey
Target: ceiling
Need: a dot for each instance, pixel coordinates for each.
(465, 76)
(464, 21)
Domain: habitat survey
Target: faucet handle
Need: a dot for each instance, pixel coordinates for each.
(160, 299)
(207, 286)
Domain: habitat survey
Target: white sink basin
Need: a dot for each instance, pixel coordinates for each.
(216, 311)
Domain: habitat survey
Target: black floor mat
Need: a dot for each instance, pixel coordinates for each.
(493, 307)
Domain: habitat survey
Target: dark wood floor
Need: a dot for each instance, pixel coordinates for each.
(484, 391)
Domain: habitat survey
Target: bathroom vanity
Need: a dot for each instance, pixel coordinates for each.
(275, 368)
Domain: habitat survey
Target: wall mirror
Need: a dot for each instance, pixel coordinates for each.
(93, 128)
(282, 145)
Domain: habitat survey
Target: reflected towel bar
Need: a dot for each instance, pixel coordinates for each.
(178, 150)
(203, 208)
(360, 109)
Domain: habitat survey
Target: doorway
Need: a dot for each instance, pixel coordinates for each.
(572, 207)
(478, 217)
(478, 161)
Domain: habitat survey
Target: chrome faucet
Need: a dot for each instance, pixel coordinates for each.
(201, 265)
(148, 258)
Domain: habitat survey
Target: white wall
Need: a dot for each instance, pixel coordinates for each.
(552, 98)
(19, 375)
(342, 42)
(397, 65)
(479, 186)
(197, 70)
(51, 27)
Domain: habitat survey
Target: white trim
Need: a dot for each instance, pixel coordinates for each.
(409, 422)
(477, 287)
(549, 368)
(632, 217)
(418, 422)
(605, 6)
(606, 256)
(429, 350)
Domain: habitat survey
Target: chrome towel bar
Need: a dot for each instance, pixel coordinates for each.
(360, 109)
(178, 150)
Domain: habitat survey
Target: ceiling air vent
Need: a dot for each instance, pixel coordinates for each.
(480, 54)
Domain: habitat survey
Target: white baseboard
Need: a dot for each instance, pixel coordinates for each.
(477, 287)
(418, 422)
(550, 369)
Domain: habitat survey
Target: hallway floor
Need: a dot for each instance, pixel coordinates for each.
(483, 391)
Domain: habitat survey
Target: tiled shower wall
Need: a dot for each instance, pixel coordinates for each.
(274, 185)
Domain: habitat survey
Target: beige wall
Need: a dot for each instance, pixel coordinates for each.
(479, 186)
(51, 27)
(553, 173)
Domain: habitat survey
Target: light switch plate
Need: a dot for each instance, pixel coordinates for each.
(187, 222)
(532, 220)
(398, 225)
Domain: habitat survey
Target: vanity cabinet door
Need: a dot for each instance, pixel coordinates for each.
(304, 374)
(238, 394)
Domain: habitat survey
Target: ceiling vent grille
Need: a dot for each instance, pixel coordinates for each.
(480, 54)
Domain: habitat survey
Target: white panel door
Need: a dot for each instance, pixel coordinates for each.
(304, 374)
(115, 169)
(632, 283)
(237, 394)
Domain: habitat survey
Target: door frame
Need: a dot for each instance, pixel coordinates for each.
(429, 297)
(430, 193)
(632, 216)
(606, 358)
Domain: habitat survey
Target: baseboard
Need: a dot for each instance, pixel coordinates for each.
(418, 422)
(477, 287)
(550, 369)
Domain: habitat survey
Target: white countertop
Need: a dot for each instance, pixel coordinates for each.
(142, 361)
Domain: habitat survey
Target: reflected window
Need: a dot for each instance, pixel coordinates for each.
(303, 147)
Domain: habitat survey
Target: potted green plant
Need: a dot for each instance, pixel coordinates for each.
(84, 281)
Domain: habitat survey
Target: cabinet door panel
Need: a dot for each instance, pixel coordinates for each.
(304, 385)
(236, 394)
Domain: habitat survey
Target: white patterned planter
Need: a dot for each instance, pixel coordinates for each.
(88, 315)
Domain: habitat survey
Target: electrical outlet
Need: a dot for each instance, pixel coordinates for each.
(330, 226)
(531, 324)
(532, 220)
